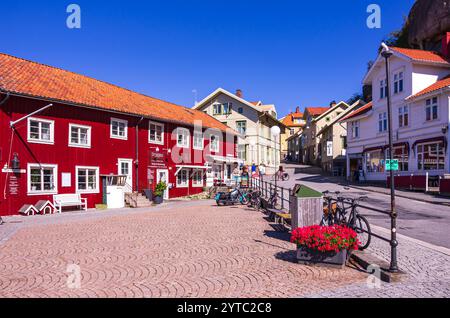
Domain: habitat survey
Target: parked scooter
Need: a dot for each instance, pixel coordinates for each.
(235, 196)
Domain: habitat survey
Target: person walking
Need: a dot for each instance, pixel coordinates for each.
(236, 174)
(262, 171)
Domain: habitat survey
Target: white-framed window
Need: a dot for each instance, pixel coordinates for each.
(198, 140)
(155, 133)
(42, 179)
(87, 179)
(242, 152)
(226, 107)
(431, 156)
(217, 109)
(79, 136)
(119, 128)
(375, 161)
(398, 82)
(403, 116)
(382, 122)
(402, 155)
(355, 129)
(197, 178)
(41, 130)
(291, 132)
(183, 137)
(241, 127)
(183, 179)
(383, 89)
(214, 143)
(431, 109)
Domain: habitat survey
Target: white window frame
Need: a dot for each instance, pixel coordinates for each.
(78, 145)
(41, 166)
(195, 184)
(399, 79)
(217, 109)
(217, 148)
(125, 137)
(240, 122)
(150, 123)
(383, 88)
(198, 138)
(431, 106)
(187, 136)
(422, 160)
(184, 184)
(97, 179)
(403, 112)
(382, 118)
(355, 129)
(41, 141)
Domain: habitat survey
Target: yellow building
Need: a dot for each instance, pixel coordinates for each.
(295, 123)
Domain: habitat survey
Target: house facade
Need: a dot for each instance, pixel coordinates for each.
(253, 121)
(333, 140)
(295, 123)
(419, 90)
(62, 133)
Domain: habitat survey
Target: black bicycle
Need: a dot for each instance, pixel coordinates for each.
(355, 221)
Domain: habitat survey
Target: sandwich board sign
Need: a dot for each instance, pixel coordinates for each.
(391, 165)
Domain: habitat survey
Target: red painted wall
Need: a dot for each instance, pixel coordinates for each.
(104, 151)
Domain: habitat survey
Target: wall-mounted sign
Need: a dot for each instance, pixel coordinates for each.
(13, 185)
(329, 148)
(66, 179)
(157, 159)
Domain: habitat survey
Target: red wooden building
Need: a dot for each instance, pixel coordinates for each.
(60, 132)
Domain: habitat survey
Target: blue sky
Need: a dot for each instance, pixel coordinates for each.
(290, 53)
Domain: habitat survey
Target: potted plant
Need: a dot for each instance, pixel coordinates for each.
(328, 245)
(159, 192)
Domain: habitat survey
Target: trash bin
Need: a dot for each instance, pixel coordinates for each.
(306, 206)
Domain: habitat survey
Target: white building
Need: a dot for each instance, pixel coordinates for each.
(420, 97)
(253, 120)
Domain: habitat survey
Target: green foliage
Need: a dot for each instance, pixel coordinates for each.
(160, 188)
(398, 38)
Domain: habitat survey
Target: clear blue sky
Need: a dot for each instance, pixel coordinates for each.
(290, 53)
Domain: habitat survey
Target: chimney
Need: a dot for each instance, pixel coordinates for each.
(446, 46)
(239, 93)
(297, 110)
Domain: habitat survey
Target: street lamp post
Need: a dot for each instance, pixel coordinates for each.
(393, 265)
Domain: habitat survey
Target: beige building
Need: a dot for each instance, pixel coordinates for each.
(332, 139)
(295, 124)
(253, 120)
(316, 118)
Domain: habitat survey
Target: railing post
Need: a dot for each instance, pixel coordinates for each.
(282, 198)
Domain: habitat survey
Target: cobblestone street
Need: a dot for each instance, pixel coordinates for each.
(187, 249)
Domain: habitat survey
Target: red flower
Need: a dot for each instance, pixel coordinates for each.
(326, 238)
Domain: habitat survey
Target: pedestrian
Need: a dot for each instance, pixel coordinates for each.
(262, 171)
(244, 177)
(280, 173)
(253, 168)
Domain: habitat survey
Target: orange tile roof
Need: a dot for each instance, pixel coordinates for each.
(445, 82)
(316, 111)
(288, 120)
(362, 110)
(37, 80)
(422, 55)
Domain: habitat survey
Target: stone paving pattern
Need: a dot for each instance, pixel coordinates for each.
(187, 249)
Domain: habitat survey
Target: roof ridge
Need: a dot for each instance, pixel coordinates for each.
(88, 77)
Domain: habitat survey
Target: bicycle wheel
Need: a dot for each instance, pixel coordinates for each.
(362, 228)
(285, 177)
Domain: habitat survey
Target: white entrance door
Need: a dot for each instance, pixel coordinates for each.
(126, 169)
(163, 175)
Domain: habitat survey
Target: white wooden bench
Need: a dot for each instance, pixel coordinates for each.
(65, 200)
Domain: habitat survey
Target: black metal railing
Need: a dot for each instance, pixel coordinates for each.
(267, 188)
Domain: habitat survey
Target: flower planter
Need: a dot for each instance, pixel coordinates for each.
(309, 256)
(158, 199)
